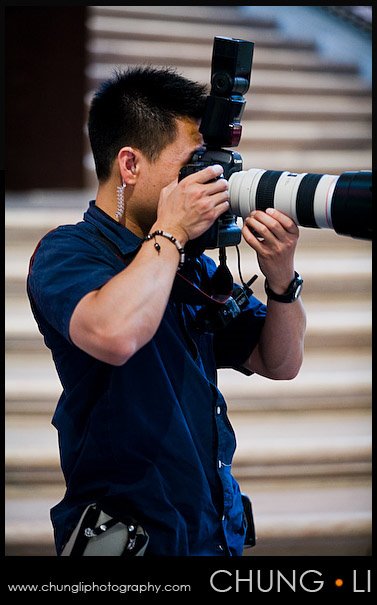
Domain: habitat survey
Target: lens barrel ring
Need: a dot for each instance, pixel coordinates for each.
(264, 196)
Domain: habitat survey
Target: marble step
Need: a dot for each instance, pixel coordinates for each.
(191, 30)
(203, 14)
(338, 381)
(271, 445)
(333, 324)
(307, 107)
(300, 518)
(172, 51)
(308, 477)
(262, 80)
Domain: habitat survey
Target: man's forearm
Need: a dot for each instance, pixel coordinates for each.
(280, 349)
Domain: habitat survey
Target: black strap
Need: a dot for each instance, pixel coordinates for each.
(183, 289)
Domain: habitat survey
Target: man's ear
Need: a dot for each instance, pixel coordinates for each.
(128, 161)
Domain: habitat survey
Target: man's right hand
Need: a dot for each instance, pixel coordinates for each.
(189, 207)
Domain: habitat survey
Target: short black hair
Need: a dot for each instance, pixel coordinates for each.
(139, 107)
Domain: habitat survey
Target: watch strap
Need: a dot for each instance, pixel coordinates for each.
(290, 295)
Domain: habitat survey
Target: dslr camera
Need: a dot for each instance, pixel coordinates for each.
(339, 202)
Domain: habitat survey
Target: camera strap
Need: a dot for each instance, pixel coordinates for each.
(219, 286)
(187, 292)
(184, 290)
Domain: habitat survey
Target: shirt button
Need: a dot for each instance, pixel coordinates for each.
(219, 463)
(218, 409)
(219, 547)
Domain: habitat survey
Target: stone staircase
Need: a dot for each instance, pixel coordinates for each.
(304, 446)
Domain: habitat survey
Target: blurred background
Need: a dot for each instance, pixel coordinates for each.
(304, 446)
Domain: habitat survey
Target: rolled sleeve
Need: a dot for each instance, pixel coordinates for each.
(63, 270)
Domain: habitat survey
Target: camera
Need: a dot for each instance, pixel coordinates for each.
(339, 202)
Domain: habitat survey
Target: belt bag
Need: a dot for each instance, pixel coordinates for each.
(97, 534)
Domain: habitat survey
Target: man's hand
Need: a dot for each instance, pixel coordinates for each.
(273, 235)
(279, 352)
(188, 208)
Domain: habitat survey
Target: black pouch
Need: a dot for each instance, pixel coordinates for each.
(250, 537)
(97, 534)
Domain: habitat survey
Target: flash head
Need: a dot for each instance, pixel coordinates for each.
(230, 80)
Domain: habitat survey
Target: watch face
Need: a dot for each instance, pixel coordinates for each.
(298, 290)
(298, 286)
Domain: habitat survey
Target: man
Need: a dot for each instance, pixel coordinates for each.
(143, 429)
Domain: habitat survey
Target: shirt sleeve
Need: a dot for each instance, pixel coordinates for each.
(64, 268)
(234, 343)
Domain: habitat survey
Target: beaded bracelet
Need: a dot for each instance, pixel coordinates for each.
(172, 239)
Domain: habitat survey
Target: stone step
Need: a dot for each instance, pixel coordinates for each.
(301, 493)
(204, 14)
(110, 50)
(338, 380)
(332, 324)
(278, 106)
(262, 80)
(326, 381)
(273, 445)
(45, 471)
(192, 30)
(306, 135)
(316, 517)
(324, 517)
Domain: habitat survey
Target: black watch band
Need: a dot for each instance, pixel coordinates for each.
(292, 293)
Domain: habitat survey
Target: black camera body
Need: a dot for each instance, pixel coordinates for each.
(221, 127)
(225, 231)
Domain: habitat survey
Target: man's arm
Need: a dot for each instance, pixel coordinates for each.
(114, 322)
(279, 352)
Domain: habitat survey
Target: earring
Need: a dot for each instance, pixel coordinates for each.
(120, 201)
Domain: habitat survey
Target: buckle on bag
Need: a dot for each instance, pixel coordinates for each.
(99, 534)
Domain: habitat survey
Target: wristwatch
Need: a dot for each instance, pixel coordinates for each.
(292, 293)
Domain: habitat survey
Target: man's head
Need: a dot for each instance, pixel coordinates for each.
(139, 108)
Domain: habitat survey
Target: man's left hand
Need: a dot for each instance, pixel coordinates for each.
(273, 235)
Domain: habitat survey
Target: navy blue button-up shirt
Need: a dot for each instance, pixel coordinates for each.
(150, 438)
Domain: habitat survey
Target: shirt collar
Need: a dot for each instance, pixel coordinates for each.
(126, 241)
